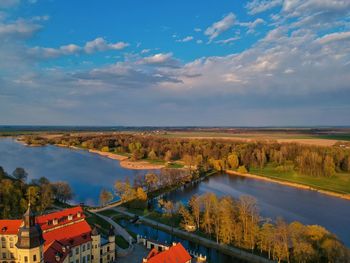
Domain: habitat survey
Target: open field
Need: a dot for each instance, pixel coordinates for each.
(340, 183)
(281, 137)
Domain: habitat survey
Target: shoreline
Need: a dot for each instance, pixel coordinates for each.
(126, 163)
(144, 165)
(291, 184)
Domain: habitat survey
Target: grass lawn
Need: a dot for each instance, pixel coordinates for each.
(108, 213)
(154, 161)
(121, 242)
(101, 224)
(340, 183)
(166, 220)
(175, 165)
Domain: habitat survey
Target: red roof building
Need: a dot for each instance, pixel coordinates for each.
(62, 237)
(174, 254)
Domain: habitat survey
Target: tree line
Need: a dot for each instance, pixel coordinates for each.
(238, 223)
(216, 154)
(15, 193)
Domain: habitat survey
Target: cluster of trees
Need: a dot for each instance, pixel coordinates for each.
(238, 223)
(217, 154)
(15, 193)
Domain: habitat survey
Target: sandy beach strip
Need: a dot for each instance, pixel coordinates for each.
(126, 163)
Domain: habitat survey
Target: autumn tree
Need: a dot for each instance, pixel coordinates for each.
(105, 197)
(233, 161)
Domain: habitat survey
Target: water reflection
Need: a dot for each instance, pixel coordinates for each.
(274, 200)
(151, 233)
(87, 173)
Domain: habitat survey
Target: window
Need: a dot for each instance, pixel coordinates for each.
(3, 255)
(77, 251)
(3, 245)
(12, 256)
(34, 258)
(107, 257)
(108, 249)
(88, 258)
(84, 260)
(25, 259)
(77, 261)
(83, 248)
(71, 253)
(88, 246)
(11, 245)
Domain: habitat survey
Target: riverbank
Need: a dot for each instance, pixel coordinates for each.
(225, 249)
(125, 161)
(291, 184)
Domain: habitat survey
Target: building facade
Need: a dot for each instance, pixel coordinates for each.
(59, 237)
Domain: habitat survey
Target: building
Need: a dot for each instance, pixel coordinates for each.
(59, 237)
(173, 254)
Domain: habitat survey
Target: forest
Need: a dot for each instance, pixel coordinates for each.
(15, 193)
(218, 154)
(238, 223)
(234, 222)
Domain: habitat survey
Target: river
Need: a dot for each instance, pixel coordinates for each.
(88, 173)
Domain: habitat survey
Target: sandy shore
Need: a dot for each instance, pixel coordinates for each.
(126, 163)
(296, 185)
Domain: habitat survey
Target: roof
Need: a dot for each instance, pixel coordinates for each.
(61, 216)
(55, 249)
(70, 235)
(175, 254)
(9, 227)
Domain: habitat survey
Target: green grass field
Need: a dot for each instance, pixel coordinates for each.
(340, 183)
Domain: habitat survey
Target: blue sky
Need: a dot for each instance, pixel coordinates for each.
(237, 63)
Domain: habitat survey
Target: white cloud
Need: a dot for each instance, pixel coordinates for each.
(160, 59)
(338, 36)
(144, 51)
(100, 44)
(220, 26)
(227, 41)
(197, 29)
(20, 28)
(259, 6)
(185, 39)
(199, 41)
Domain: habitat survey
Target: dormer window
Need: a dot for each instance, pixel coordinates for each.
(70, 217)
(55, 221)
(49, 222)
(78, 214)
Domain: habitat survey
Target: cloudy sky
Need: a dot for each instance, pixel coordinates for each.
(156, 62)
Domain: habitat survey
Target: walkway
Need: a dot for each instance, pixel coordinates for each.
(117, 228)
(234, 252)
(139, 252)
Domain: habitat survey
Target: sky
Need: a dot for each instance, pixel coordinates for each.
(175, 63)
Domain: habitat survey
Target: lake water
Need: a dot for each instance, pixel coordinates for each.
(88, 173)
(162, 237)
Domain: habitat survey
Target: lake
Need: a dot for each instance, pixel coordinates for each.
(88, 173)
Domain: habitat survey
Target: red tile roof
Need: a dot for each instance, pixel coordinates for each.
(71, 235)
(9, 227)
(175, 254)
(53, 249)
(61, 216)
